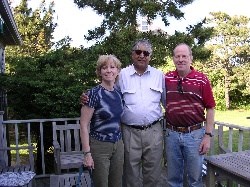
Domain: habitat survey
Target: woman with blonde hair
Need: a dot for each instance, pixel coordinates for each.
(101, 127)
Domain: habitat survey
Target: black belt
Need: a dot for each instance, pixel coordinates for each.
(184, 129)
(144, 127)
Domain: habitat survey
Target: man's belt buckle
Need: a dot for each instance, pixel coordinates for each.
(144, 127)
(183, 129)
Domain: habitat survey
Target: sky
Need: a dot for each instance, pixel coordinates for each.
(75, 22)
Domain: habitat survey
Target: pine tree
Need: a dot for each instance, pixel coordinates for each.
(35, 28)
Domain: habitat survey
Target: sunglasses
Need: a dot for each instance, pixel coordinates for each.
(179, 86)
(145, 53)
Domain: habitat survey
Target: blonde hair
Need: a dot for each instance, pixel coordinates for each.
(103, 60)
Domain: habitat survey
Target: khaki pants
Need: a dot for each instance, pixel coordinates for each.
(143, 151)
(108, 159)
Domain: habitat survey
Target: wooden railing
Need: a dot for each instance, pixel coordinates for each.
(228, 138)
(22, 132)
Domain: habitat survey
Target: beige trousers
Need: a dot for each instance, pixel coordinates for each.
(143, 151)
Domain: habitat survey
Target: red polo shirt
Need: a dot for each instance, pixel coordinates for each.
(187, 108)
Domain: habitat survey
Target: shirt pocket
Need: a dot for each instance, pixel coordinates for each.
(155, 94)
(129, 96)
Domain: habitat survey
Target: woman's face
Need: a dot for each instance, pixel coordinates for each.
(109, 71)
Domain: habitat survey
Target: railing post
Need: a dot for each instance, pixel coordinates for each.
(2, 139)
(1, 130)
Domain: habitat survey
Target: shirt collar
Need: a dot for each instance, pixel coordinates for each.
(133, 71)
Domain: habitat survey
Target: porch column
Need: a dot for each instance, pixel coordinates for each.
(2, 141)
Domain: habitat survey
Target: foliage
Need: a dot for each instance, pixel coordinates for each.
(216, 80)
(122, 14)
(120, 44)
(240, 87)
(52, 82)
(35, 27)
(230, 48)
(118, 30)
(24, 79)
(48, 86)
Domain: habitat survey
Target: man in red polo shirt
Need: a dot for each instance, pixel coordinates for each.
(189, 127)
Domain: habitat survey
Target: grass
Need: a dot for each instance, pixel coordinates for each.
(236, 117)
(23, 153)
(235, 141)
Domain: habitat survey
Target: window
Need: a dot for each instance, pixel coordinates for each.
(144, 26)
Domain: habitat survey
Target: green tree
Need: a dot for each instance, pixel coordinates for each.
(35, 27)
(51, 82)
(240, 87)
(21, 80)
(119, 28)
(229, 45)
(123, 13)
(49, 86)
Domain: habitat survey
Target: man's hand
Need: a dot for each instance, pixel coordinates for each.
(84, 99)
(205, 145)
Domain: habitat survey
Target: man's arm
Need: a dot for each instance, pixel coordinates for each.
(84, 98)
(205, 144)
(210, 120)
(164, 93)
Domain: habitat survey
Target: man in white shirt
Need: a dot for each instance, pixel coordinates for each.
(143, 89)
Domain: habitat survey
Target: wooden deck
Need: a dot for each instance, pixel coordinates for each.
(226, 135)
(234, 165)
(45, 181)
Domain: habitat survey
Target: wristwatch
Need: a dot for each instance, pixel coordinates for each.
(85, 153)
(209, 134)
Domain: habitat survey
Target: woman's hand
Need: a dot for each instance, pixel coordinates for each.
(88, 161)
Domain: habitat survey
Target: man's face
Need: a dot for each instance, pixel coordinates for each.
(182, 58)
(141, 57)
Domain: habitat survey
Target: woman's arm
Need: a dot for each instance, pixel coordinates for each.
(86, 115)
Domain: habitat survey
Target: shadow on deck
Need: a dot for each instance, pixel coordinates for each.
(45, 181)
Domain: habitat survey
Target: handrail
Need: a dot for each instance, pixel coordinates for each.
(230, 138)
(17, 127)
(40, 120)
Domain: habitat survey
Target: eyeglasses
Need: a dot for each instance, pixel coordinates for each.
(145, 53)
(179, 86)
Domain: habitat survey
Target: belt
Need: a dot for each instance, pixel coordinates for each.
(144, 127)
(184, 129)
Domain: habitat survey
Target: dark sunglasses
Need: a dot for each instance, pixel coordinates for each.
(179, 86)
(145, 53)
